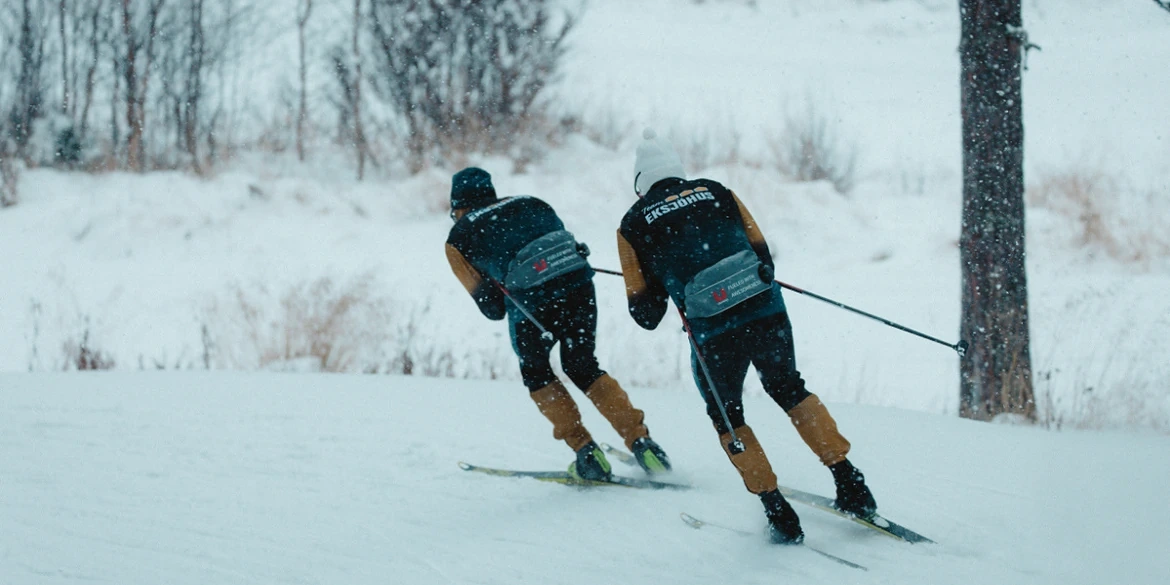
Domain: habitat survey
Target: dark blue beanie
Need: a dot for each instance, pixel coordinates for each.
(472, 187)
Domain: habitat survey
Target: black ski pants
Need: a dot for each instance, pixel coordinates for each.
(572, 319)
(765, 343)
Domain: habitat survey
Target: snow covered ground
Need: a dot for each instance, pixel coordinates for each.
(250, 478)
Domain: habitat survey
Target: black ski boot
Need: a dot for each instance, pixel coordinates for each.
(590, 464)
(853, 496)
(650, 456)
(783, 523)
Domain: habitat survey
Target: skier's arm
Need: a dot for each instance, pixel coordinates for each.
(755, 236)
(646, 296)
(489, 298)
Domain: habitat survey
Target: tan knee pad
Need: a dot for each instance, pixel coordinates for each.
(558, 407)
(752, 464)
(614, 404)
(819, 431)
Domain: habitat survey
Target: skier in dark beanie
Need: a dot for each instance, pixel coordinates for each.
(694, 242)
(515, 258)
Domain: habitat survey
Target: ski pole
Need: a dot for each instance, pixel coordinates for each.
(544, 333)
(736, 446)
(960, 347)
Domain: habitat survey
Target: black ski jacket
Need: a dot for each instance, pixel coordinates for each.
(675, 231)
(486, 240)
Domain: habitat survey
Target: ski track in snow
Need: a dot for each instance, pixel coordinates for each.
(275, 478)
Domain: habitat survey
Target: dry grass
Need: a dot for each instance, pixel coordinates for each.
(329, 325)
(81, 355)
(1091, 197)
(1091, 402)
(700, 149)
(9, 178)
(810, 148)
(603, 124)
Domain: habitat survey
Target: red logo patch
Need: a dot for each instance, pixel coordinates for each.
(719, 295)
(540, 265)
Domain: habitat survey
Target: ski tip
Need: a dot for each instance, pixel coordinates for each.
(465, 466)
(691, 520)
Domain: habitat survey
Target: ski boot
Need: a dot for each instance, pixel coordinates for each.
(591, 464)
(853, 496)
(650, 456)
(783, 523)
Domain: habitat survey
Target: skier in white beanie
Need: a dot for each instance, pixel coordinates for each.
(694, 242)
(656, 160)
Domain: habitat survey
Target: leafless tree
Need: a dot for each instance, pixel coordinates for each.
(359, 132)
(304, 11)
(465, 74)
(996, 375)
(97, 36)
(33, 28)
(347, 69)
(140, 21)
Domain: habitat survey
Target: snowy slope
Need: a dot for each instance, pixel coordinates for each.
(176, 478)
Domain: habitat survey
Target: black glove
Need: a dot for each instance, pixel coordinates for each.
(767, 273)
(582, 249)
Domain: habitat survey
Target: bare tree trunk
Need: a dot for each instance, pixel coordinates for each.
(129, 71)
(996, 376)
(66, 93)
(29, 84)
(116, 66)
(95, 39)
(358, 130)
(194, 84)
(303, 110)
(138, 78)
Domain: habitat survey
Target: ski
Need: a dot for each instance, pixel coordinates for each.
(620, 455)
(698, 524)
(563, 477)
(877, 522)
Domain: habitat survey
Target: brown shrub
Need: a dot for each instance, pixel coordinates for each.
(809, 148)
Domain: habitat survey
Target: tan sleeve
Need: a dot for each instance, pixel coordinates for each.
(468, 276)
(631, 269)
(755, 236)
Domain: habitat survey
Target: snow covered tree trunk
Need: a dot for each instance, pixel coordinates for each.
(139, 39)
(303, 12)
(30, 84)
(996, 375)
(359, 133)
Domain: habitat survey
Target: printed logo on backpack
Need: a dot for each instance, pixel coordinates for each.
(724, 285)
(544, 259)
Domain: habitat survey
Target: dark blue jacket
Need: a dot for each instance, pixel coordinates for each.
(675, 231)
(487, 239)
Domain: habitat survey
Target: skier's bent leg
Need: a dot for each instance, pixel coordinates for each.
(819, 430)
(752, 464)
(755, 469)
(614, 404)
(558, 407)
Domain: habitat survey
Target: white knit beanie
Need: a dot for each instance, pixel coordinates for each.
(655, 160)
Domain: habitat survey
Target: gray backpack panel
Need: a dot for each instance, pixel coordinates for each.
(724, 285)
(544, 259)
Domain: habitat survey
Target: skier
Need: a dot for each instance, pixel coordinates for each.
(515, 258)
(694, 241)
